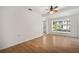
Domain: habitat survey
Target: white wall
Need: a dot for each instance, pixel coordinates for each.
(1, 37)
(78, 27)
(19, 25)
(74, 26)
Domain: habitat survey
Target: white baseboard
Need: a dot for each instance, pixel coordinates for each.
(19, 42)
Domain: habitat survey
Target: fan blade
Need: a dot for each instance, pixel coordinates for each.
(55, 7)
(51, 8)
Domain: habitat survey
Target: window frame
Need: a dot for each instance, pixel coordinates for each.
(63, 24)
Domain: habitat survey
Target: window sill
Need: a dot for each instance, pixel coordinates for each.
(60, 32)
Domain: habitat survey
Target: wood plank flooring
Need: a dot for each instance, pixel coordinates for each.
(46, 44)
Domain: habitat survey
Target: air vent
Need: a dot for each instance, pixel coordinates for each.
(30, 9)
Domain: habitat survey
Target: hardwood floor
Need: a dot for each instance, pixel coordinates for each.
(46, 44)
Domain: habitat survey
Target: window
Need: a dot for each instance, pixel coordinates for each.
(61, 25)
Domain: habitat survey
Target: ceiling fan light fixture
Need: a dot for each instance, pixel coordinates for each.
(51, 12)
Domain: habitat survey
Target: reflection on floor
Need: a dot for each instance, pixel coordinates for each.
(46, 44)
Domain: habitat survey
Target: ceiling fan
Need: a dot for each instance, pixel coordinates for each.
(52, 9)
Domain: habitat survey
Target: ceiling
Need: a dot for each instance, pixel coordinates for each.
(62, 10)
(42, 9)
